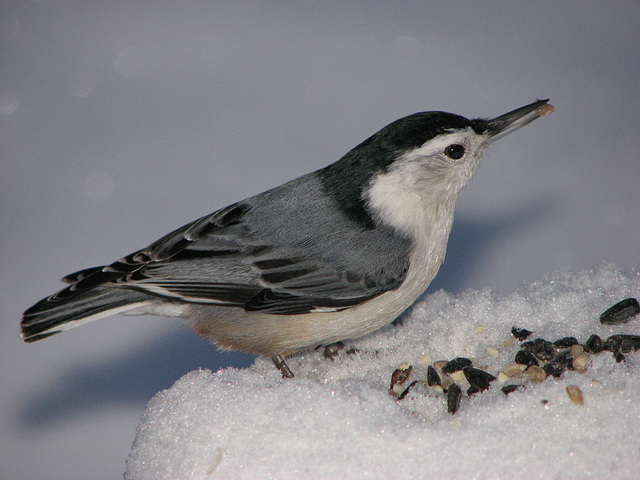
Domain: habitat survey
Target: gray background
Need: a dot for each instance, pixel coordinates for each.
(121, 121)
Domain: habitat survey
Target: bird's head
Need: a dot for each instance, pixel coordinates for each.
(418, 162)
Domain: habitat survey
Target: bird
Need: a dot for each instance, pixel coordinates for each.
(332, 255)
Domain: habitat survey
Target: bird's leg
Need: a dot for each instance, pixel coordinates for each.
(332, 350)
(282, 366)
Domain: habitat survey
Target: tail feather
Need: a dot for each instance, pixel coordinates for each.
(50, 315)
(80, 275)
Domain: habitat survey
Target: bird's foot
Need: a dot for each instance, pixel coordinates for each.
(278, 360)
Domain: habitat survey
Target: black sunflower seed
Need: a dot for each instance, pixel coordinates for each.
(478, 379)
(565, 342)
(594, 344)
(621, 312)
(565, 359)
(553, 369)
(542, 349)
(456, 364)
(507, 389)
(454, 394)
(524, 357)
(624, 343)
(520, 333)
(432, 377)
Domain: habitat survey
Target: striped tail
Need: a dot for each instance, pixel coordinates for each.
(59, 312)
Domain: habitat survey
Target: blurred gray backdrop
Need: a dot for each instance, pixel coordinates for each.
(120, 121)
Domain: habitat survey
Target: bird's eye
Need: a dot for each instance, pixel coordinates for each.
(455, 151)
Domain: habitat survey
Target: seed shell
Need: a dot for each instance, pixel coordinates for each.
(400, 375)
(544, 110)
(507, 389)
(575, 394)
(535, 373)
(520, 333)
(513, 369)
(432, 377)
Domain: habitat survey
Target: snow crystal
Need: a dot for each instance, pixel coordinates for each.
(336, 418)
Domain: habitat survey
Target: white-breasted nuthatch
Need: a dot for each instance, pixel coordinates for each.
(332, 255)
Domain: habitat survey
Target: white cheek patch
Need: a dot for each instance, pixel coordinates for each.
(397, 203)
(409, 196)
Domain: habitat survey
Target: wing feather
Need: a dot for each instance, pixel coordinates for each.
(219, 259)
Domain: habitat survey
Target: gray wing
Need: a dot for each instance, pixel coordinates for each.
(272, 253)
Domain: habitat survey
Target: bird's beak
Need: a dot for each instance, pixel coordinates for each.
(510, 122)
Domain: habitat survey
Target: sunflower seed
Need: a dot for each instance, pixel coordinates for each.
(454, 394)
(621, 312)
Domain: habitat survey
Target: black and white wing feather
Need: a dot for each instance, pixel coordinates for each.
(268, 253)
(221, 260)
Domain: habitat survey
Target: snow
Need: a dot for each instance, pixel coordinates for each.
(336, 419)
